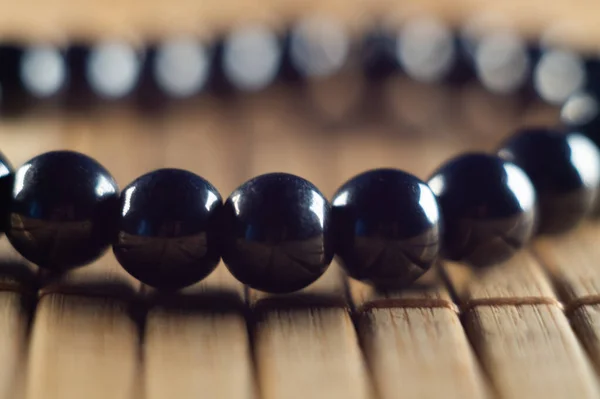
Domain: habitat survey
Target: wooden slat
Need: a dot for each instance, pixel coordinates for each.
(429, 291)
(586, 323)
(520, 334)
(197, 344)
(83, 348)
(413, 337)
(530, 351)
(520, 277)
(573, 261)
(305, 344)
(419, 353)
(14, 311)
(196, 341)
(309, 353)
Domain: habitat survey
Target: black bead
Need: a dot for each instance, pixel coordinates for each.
(64, 205)
(565, 171)
(387, 227)
(79, 94)
(488, 207)
(378, 54)
(276, 233)
(167, 229)
(581, 114)
(6, 185)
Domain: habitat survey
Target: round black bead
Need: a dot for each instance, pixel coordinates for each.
(565, 171)
(63, 210)
(276, 233)
(387, 227)
(167, 229)
(488, 207)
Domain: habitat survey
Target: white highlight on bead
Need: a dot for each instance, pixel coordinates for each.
(127, 195)
(251, 57)
(425, 49)
(518, 182)
(586, 158)
(20, 179)
(319, 47)
(182, 67)
(502, 62)
(113, 69)
(43, 71)
(559, 74)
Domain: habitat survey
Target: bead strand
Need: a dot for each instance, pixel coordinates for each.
(251, 58)
(278, 233)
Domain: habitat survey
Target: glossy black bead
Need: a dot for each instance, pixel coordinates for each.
(488, 207)
(387, 227)
(167, 229)
(581, 114)
(277, 233)
(6, 185)
(565, 171)
(64, 205)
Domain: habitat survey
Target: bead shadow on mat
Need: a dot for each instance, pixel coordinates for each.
(64, 205)
(167, 228)
(565, 171)
(488, 208)
(211, 300)
(276, 233)
(387, 228)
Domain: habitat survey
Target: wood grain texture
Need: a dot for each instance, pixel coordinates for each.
(586, 324)
(309, 353)
(520, 277)
(572, 261)
(530, 351)
(419, 353)
(14, 317)
(429, 291)
(197, 345)
(83, 347)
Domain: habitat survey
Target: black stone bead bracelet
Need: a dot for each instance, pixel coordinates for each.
(278, 233)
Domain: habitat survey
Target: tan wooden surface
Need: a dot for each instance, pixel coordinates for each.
(97, 334)
(135, 19)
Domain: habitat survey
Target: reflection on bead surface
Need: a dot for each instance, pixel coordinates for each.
(488, 208)
(565, 171)
(276, 233)
(558, 74)
(426, 50)
(63, 210)
(581, 114)
(386, 227)
(167, 228)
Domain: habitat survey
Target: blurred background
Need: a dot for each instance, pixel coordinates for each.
(325, 89)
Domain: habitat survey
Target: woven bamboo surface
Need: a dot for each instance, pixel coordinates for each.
(525, 329)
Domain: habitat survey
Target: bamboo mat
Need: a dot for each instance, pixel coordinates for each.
(528, 328)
